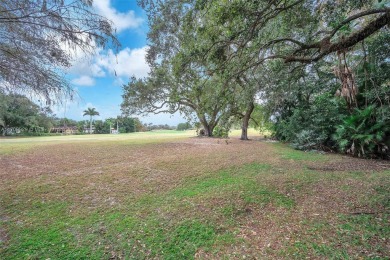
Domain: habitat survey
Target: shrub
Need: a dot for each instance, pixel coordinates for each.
(309, 140)
(366, 133)
(311, 126)
(183, 126)
(220, 131)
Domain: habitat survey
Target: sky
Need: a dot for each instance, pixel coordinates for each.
(94, 77)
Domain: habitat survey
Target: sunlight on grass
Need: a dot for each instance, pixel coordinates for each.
(289, 153)
(12, 145)
(252, 133)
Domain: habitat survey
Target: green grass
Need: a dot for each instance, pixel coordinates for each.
(259, 207)
(296, 155)
(53, 225)
(359, 232)
(14, 145)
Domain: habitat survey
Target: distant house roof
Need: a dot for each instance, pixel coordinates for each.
(65, 128)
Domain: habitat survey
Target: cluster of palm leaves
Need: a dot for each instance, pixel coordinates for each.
(365, 133)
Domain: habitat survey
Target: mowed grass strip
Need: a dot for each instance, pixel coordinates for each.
(187, 198)
(15, 145)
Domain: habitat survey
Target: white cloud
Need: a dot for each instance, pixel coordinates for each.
(87, 66)
(84, 81)
(127, 63)
(97, 71)
(122, 21)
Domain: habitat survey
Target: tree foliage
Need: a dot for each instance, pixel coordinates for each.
(91, 112)
(313, 65)
(40, 38)
(292, 30)
(358, 128)
(183, 126)
(19, 115)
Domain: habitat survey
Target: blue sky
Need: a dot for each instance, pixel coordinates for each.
(94, 76)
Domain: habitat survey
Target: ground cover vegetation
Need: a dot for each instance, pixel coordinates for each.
(140, 196)
(319, 70)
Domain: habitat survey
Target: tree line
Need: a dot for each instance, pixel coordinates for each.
(20, 116)
(317, 70)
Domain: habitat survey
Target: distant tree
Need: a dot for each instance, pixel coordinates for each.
(126, 125)
(102, 127)
(110, 123)
(81, 125)
(91, 112)
(139, 127)
(46, 119)
(65, 122)
(183, 126)
(40, 36)
(18, 112)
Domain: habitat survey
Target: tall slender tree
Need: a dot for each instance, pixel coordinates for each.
(91, 112)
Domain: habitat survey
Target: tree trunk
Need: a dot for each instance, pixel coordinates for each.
(208, 126)
(245, 121)
(207, 131)
(244, 131)
(90, 125)
(210, 130)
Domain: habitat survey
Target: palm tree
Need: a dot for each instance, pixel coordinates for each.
(90, 112)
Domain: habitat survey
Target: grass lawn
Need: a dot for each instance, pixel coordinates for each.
(170, 195)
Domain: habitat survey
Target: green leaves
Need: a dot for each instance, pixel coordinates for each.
(91, 112)
(363, 134)
(19, 114)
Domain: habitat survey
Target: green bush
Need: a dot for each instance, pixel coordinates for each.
(183, 126)
(311, 126)
(309, 140)
(366, 133)
(220, 131)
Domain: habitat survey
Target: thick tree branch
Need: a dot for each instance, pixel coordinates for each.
(342, 44)
(359, 15)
